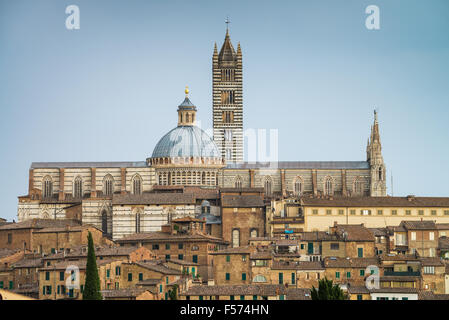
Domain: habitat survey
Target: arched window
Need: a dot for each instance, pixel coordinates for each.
(138, 221)
(297, 186)
(328, 187)
(267, 186)
(358, 187)
(136, 184)
(47, 187)
(254, 233)
(104, 221)
(108, 185)
(205, 206)
(259, 278)
(235, 238)
(78, 188)
(238, 182)
(380, 173)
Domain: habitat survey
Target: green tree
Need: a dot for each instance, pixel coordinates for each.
(173, 293)
(92, 284)
(327, 291)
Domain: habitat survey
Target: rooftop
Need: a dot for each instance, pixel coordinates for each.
(336, 262)
(301, 165)
(244, 201)
(365, 202)
(105, 164)
(162, 236)
(40, 224)
(249, 289)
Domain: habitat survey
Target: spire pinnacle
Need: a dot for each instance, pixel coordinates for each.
(187, 91)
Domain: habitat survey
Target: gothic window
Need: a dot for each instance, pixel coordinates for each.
(267, 186)
(238, 182)
(137, 184)
(47, 189)
(78, 188)
(380, 173)
(108, 185)
(328, 187)
(254, 233)
(358, 187)
(104, 221)
(235, 238)
(138, 222)
(298, 186)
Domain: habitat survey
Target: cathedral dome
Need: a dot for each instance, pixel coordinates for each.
(186, 141)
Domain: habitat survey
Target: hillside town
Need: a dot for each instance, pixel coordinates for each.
(194, 221)
(273, 257)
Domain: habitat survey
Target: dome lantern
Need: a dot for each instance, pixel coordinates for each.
(186, 111)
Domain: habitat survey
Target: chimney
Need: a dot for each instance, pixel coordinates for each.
(410, 197)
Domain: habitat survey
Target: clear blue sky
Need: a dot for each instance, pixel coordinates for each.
(312, 70)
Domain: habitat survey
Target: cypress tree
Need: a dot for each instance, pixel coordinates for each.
(327, 291)
(92, 284)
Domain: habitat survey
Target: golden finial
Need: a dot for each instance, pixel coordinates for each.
(187, 91)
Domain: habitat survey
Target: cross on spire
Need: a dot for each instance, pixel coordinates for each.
(227, 21)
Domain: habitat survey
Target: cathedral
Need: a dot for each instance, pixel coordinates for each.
(187, 169)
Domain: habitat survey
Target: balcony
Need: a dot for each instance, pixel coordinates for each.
(402, 273)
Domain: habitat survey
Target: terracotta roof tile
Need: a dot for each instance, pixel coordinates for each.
(336, 262)
(245, 201)
(362, 202)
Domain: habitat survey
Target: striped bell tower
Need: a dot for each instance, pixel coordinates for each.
(227, 100)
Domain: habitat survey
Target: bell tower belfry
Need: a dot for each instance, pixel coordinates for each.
(378, 186)
(227, 102)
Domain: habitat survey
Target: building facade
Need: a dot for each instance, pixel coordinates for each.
(117, 197)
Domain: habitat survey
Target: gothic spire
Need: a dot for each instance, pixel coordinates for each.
(227, 52)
